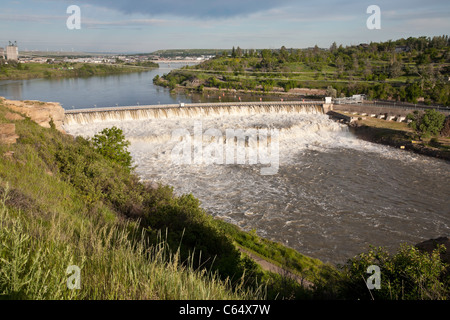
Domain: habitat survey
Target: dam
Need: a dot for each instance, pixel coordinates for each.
(189, 110)
(332, 195)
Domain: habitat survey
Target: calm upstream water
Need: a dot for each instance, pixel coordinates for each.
(109, 91)
(332, 197)
(99, 91)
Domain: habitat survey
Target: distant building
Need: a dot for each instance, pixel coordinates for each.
(12, 52)
(2, 53)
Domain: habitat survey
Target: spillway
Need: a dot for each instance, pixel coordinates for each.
(84, 116)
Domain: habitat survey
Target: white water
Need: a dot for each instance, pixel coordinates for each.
(183, 112)
(332, 196)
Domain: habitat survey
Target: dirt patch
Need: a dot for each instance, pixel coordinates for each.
(13, 116)
(19, 200)
(8, 133)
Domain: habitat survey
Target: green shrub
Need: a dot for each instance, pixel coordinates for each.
(407, 275)
(111, 143)
(187, 224)
(190, 227)
(426, 124)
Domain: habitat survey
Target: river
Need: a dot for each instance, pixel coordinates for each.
(332, 196)
(99, 91)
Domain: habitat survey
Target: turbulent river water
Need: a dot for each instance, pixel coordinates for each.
(332, 196)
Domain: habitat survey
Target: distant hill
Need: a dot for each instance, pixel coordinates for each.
(410, 70)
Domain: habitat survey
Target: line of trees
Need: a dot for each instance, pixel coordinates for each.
(412, 70)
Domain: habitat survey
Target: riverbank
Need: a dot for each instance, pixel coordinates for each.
(39, 161)
(22, 71)
(398, 135)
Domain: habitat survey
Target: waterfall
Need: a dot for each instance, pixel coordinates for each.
(167, 112)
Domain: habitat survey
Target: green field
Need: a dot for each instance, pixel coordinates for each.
(18, 71)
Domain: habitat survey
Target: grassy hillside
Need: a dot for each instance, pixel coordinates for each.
(413, 70)
(62, 203)
(47, 224)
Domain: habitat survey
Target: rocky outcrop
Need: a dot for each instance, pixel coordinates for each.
(43, 113)
(8, 133)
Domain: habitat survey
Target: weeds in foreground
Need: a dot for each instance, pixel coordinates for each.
(115, 260)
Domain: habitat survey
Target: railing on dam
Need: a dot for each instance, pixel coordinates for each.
(196, 105)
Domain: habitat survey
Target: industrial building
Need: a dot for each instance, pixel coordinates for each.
(2, 53)
(12, 51)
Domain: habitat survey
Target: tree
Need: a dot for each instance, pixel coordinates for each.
(432, 122)
(339, 64)
(331, 92)
(111, 143)
(413, 91)
(429, 123)
(367, 69)
(333, 47)
(284, 54)
(395, 69)
(238, 52)
(267, 61)
(445, 132)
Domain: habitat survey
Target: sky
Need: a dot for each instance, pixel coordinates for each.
(141, 26)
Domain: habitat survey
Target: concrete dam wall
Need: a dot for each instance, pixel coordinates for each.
(84, 116)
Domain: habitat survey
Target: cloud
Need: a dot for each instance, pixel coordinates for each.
(90, 23)
(31, 18)
(191, 9)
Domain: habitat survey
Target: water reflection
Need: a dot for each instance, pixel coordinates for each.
(14, 90)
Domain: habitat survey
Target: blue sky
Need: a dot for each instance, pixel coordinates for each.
(146, 26)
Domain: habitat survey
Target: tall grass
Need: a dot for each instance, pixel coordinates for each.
(116, 262)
